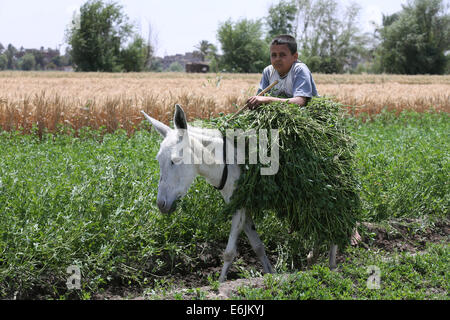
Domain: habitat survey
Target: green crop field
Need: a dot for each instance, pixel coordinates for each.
(89, 200)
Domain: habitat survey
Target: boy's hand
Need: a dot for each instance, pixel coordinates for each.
(255, 101)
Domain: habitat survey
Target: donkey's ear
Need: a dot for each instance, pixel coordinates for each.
(159, 126)
(180, 118)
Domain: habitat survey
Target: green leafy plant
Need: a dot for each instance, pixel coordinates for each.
(316, 188)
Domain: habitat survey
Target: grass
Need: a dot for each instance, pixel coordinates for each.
(402, 276)
(404, 164)
(77, 201)
(90, 200)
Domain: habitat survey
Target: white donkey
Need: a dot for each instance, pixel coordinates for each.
(176, 176)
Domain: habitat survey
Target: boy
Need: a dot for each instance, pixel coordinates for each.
(295, 81)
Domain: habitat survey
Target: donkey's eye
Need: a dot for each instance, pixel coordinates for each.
(176, 160)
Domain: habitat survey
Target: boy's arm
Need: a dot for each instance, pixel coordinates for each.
(255, 101)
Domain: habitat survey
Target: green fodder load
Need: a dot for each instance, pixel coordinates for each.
(315, 188)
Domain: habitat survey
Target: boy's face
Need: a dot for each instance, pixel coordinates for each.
(281, 58)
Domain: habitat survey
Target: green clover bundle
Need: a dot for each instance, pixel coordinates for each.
(316, 187)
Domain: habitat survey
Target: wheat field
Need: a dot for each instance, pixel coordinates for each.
(47, 100)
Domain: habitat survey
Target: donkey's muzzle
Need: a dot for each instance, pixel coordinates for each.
(165, 207)
(162, 205)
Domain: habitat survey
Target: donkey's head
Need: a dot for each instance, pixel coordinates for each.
(176, 175)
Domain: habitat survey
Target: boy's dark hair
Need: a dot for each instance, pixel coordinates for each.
(287, 40)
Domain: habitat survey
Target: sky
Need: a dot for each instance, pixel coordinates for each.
(177, 25)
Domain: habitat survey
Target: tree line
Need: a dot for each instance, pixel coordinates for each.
(415, 40)
(12, 58)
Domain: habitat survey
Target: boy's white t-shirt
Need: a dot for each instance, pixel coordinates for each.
(298, 82)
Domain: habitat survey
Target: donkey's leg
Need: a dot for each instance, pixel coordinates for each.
(257, 244)
(230, 252)
(332, 256)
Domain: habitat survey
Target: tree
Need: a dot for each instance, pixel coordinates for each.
(155, 64)
(39, 57)
(10, 53)
(3, 61)
(208, 51)
(281, 19)
(330, 40)
(205, 48)
(175, 67)
(27, 62)
(152, 63)
(414, 40)
(98, 35)
(243, 47)
(32, 59)
(134, 57)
